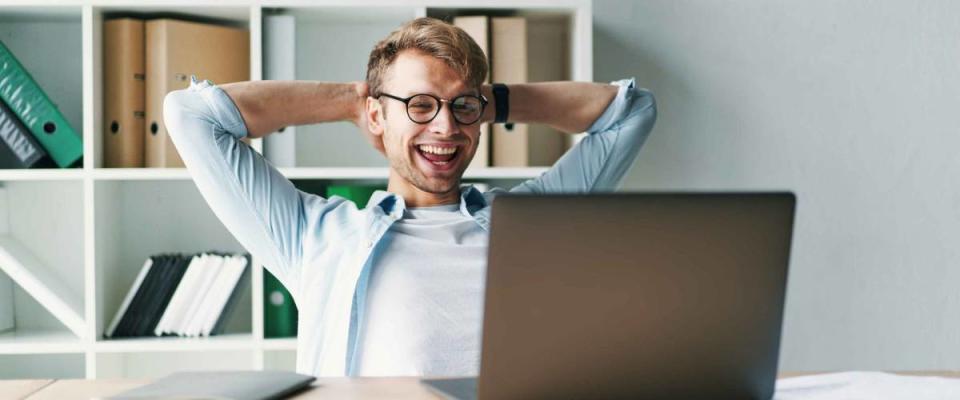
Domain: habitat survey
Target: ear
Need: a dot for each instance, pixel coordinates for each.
(375, 117)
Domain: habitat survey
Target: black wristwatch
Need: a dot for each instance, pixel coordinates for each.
(501, 96)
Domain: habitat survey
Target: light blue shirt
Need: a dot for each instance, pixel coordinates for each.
(322, 249)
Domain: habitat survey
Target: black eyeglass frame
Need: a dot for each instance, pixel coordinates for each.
(440, 101)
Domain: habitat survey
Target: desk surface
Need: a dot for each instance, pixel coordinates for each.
(325, 388)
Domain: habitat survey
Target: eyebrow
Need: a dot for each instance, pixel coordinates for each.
(431, 92)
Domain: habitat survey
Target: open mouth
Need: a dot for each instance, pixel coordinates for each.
(440, 157)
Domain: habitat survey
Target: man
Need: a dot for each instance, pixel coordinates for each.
(396, 288)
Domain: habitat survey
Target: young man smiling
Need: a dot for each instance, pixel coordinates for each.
(396, 288)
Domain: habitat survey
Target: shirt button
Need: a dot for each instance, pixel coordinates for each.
(369, 244)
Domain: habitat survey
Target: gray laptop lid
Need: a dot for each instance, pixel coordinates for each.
(234, 385)
(633, 296)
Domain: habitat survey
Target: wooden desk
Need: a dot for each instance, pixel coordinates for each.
(326, 388)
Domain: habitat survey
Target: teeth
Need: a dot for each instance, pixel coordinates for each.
(438, 150)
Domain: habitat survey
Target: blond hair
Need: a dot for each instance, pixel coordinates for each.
(433, 37)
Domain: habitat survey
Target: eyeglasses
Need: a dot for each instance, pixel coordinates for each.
(423, 108)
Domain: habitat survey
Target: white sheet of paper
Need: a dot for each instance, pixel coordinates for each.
(867, 386)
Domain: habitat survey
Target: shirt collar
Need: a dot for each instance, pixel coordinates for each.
(471, 201)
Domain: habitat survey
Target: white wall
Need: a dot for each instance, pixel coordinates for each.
(854, 106)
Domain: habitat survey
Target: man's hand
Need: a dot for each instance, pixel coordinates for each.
(363, 91)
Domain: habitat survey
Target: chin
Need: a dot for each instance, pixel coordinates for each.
(435, 185)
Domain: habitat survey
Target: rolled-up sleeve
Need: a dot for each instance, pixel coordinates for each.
(602, 158)
(255, 202)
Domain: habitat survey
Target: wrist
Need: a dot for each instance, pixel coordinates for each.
(501, 95)
(360, 91)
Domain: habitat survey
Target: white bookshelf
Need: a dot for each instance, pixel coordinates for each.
(89, 229)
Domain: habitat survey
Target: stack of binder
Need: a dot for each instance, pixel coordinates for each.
(183, 295)
(527, 50)
(33, 132)
(146, 59)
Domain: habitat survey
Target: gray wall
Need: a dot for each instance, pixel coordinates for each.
(854, 106)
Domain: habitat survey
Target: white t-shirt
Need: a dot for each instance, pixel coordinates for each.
(424, 301)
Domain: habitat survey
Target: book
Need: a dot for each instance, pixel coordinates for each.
(526, 52)
(280, 312)
(124, 88)
(478, 27)
(236, 385)
(206, 281)
(218, 292)
(177, 305)
(173, 270)
(153, 281)
(185, 295)
(175, 50)
(18, 147)
(134, 312)
(224, 307)
(37, 112)
(112, 329)
(279, 63)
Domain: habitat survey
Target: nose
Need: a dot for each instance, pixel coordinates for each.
(444, 123)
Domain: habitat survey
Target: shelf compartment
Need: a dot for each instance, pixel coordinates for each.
(42, 253)
(177, 219)
(47, 42)
(41, 283)
(237, 16)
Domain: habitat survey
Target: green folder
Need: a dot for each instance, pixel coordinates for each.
(279, 310)
(359, 194)
(37, 112)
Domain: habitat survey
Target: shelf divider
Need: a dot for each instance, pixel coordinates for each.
(35, 278)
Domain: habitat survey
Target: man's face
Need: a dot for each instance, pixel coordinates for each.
(431, 156)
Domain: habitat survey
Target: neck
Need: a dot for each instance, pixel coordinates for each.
(414, 197)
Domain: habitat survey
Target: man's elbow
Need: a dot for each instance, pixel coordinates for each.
(645, 103)
(173, 112)
(643, 115)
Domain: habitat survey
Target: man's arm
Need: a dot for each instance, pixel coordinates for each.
(255, 202)
(617, 118)
(267, 106)
(567, 106)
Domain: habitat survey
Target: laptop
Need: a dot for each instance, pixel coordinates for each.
(632, 296)
(233, 385)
